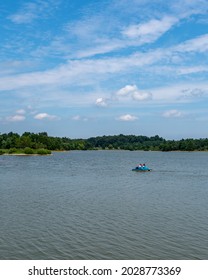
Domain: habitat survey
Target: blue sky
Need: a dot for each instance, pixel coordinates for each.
(86, 68)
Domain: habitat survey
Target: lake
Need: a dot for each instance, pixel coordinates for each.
(90, 205)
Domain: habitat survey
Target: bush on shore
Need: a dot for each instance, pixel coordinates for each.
(43, 152)
(2, 152)
(12, 151)
(28, 151)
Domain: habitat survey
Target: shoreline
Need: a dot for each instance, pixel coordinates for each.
(119, 150)
(26, 155)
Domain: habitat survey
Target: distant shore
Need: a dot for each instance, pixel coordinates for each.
(6, 154)
(32, 143)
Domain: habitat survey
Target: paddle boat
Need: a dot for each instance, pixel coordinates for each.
(141, 168)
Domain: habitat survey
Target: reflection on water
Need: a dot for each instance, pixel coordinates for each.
(90, 205)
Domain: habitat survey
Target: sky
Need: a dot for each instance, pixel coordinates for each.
(82, 68)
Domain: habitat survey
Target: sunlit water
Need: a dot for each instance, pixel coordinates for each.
(90, 205)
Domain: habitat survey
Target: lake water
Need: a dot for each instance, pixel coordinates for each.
(90, 205)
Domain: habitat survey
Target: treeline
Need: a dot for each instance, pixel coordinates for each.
(13, 142)
(154, 143)
(41, 141)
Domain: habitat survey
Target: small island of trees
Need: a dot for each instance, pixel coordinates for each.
(40, 143)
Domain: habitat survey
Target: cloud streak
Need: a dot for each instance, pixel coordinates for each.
(15, 118)
(199, 44)
(150, 31)
(31, 11)
(79, 70)
(173, 114)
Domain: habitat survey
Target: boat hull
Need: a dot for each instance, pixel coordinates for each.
(141, 169)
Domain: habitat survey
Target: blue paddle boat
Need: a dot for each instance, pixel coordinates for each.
(142, 168)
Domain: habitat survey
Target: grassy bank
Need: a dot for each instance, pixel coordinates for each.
(25, 151)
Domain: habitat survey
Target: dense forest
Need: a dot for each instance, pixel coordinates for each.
(41, 143)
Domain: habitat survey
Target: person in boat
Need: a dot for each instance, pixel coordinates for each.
(139, 166)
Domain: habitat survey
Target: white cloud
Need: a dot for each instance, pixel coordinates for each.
(15, 118)
(180, 93)
(141, 95)
(106, 46)
(101, 102)
(173, 114)
(77, 72)
(199, 44)
(185, 8)
(134, 93)
(42, 116)
(193, 94)
(151, 30)
(191, 70)
(133, 35)
(127, 118)
(126, 90)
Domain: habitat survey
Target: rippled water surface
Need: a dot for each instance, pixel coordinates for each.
(90, 205)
